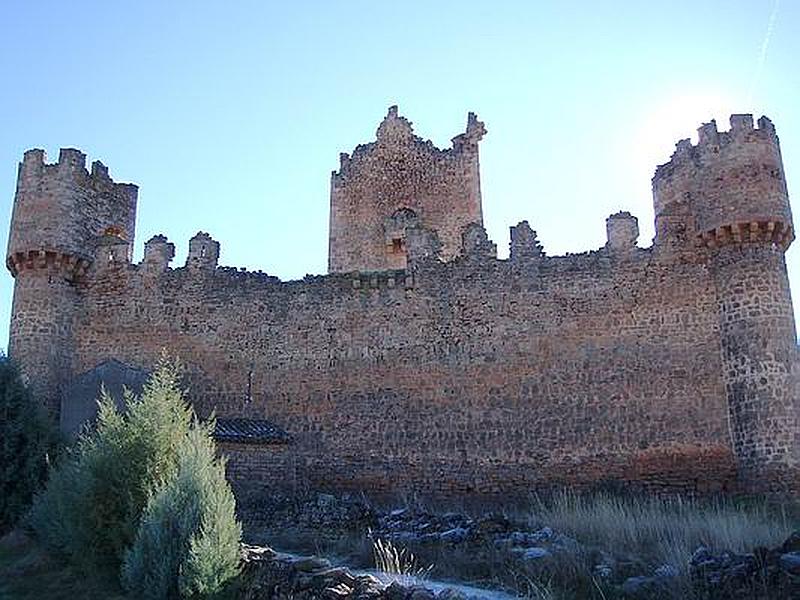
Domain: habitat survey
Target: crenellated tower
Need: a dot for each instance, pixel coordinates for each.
(725, 201)
(397, 183)
(62, 216)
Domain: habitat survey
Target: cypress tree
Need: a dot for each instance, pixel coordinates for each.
(27, 442)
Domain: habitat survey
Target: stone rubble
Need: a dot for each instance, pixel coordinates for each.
(718, 575)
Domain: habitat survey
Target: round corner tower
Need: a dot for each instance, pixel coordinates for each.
(59, 211)
(727, 198)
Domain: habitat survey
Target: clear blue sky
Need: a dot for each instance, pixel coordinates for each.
(231, 115)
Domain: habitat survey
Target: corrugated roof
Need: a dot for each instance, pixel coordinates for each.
(250, 431)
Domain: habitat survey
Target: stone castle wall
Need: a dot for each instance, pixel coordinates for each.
(444, 370)
(478, 375)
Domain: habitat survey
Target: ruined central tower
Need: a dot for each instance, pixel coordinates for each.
(398, 182)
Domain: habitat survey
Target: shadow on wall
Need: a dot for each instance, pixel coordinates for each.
(79, 400)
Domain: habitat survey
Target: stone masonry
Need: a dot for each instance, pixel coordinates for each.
(424, 363)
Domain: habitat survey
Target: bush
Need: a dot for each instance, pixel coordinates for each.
(144, 489)
(188, 542)
(27, 440)
(91, 510)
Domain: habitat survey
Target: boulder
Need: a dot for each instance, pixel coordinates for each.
(491, 524)
(421, 593)
(792, 543)
(308, 564)
(790, 562)
(641, 586)
(535, 554)
(454, 536)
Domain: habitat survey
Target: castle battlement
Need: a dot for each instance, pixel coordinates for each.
(729, 188)
(423, 362)
(711, 141)
(396, 132)
(71, 164)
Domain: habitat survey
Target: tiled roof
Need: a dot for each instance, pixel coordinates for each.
(250, 431)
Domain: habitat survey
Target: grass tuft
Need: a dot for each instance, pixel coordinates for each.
(659, 530)
(397, 561)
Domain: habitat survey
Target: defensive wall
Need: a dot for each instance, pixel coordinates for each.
(447, 370)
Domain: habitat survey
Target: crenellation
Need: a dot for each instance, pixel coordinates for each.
(468, 141)
(475, 243)
(741, 124)
(421, 362)
(203, 251)
(71, 160)
(707, 134)
(622, 231)
(33, 162)
(158, 253)
(765, 125)
(99, 171)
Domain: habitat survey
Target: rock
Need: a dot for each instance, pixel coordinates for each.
(565, 543)
(602, 571)
(702, 558)
(308, 564)
(640, 586)
(421, 593)
(454, 536)
(792, 543)
(336, 592)
(257, 553)
(325, 500)
(667, 572)
(522, 538)
(337, 574)
(790, 562)
(535, 553)
(395, 591)
(450, 594)
(543, 534)
(491, 524)
(367, 580)
(405, 537)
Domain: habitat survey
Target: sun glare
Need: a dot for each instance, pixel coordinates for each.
(677, 118)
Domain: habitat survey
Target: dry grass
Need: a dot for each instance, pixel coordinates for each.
(661, 530)
(394, 560)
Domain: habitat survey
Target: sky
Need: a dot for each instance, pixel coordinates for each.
(230, 116)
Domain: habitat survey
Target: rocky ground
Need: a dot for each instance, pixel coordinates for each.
(493, 551)
(277, 576)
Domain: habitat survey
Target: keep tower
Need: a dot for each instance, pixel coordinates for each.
(725, 199)
(61, 215)
(399, 182)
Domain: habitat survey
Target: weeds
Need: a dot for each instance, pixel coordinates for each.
(397, 561)
(660, 530)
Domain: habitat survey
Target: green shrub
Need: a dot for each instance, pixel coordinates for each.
(27, 440)
(188, 543)
(143, 495)
(92, 506)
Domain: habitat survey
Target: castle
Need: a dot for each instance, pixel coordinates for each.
(421, 361)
